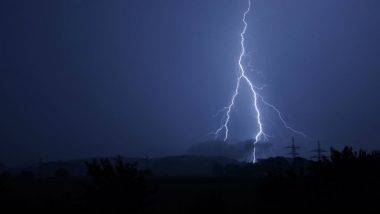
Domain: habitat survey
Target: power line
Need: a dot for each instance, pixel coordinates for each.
(293, 149)
(319, 152)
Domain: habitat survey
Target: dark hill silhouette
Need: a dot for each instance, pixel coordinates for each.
(241, 151)
(186, 165)
(346, 180)
(189, 165)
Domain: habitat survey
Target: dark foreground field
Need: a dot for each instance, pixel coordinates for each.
(346, 181)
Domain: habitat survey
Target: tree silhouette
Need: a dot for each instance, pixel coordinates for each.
(347, 180)
(117, 187)
(61, 173)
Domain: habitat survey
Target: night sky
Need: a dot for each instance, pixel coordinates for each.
(84, 78)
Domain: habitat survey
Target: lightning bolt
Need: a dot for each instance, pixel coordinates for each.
(255, 96)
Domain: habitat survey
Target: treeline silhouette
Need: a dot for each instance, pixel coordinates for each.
(116, 187)
(346, 180)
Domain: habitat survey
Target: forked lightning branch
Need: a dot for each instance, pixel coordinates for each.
(256, 99)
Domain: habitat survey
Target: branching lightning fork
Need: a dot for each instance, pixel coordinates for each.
(256, 97)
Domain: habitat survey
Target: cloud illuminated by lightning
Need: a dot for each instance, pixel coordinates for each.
(255, 96)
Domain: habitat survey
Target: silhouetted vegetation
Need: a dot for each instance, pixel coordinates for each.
(116, 187)
(61, 173)
(345, 180)
(348, 180)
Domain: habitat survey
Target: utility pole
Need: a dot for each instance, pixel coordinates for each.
(293, 149)
(318, 152)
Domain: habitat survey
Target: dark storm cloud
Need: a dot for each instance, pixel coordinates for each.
(85, 78)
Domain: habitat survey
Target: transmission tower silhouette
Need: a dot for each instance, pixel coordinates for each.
(318, 152)
(293, 149)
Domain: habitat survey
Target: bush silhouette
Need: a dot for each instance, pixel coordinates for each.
(61, 173)
(117, 187)
(348, 177)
